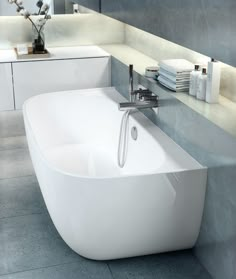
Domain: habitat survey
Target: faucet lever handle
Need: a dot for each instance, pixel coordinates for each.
(143, 92)
(149, 98)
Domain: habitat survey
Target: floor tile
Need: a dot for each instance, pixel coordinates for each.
(11, 124)
(13, 143)
(84, 269)
(20, 196)
(30, 242)
(178, 265)
(15, 163)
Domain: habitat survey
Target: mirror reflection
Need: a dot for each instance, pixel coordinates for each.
(56, 7)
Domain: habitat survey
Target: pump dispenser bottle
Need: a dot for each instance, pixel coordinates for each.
(213, 82)
(201, 85)
(194, 75)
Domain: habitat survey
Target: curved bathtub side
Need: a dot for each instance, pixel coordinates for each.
(123, 217)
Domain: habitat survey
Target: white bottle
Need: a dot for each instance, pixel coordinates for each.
(213, 82)
(194, 75)
(76, 9)
(201, 85)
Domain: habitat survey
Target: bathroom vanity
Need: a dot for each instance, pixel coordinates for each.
(67, 68)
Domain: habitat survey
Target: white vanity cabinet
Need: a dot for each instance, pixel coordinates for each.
(37, 77)
(6, 87)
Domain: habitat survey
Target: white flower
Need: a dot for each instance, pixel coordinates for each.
(45, 8)
(40, 22)
(19, 2)
(24, 13)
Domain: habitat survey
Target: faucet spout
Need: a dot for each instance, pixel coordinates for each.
(138, 105)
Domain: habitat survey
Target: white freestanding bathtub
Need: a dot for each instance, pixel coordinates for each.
(154, 204)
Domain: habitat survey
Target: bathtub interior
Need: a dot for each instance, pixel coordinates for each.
(78, 133)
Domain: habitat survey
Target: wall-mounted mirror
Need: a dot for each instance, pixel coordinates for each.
(56, 7)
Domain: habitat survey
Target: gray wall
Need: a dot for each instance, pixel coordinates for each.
(207, 26)
(91, 4)
(212, 147)
(59, 7)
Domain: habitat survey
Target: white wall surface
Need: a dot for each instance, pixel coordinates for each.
(63, 30)
(7, 9)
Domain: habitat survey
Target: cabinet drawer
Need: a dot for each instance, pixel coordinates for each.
(6, 87)
(38, 77)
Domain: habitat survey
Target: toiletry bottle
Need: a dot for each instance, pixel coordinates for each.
(201, 85)
(213, 82)
(194, 75)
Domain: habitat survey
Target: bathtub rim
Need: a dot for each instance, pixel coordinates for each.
(72, 174)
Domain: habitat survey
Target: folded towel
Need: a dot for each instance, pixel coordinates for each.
(181, 77)
(176, 66)
(173, 89)
(174, 81)
(179, 74)
(173, 86)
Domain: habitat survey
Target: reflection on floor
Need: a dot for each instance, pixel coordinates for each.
(30, 246)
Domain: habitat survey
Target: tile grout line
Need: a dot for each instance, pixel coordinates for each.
(15, 177)
(17, 136)
(23, 215)
(200, 263)
(38, 268)
(16, 148)
(108, 265)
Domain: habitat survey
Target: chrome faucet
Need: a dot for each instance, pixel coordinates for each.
(139, 99)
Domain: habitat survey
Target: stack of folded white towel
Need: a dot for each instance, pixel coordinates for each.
(175, 74)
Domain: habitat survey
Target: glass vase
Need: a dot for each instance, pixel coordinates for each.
(38, 43)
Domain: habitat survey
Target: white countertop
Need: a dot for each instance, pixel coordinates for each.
(222, 114)
(7, 56)
(129, 55)
(58, 53)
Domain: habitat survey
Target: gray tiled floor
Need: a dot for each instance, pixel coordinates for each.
(13, 143)
(15, 163)
(29, 242)
(177, 265)
(11, 124)
(20, 196)
(82, 269)
(30, 246)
